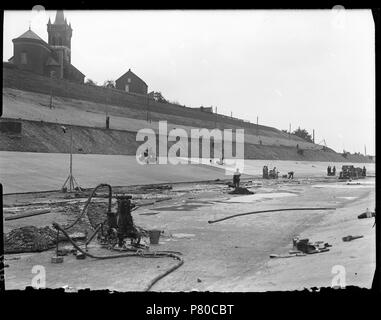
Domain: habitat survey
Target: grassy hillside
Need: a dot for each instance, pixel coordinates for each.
(46, 137)
(27, 96)
(35, 106)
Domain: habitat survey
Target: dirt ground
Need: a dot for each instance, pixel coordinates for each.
(232, 255)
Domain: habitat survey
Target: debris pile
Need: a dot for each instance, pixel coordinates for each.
(305, 246)
(302, 247)
(30, 239)
(241, 190)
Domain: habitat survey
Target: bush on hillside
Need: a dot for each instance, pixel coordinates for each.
(303, 133)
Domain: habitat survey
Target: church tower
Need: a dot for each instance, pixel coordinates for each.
(59, 35)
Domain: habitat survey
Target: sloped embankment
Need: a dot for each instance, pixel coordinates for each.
(37, 136)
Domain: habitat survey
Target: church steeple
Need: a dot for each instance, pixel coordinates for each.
(59, 17)
(59, 33)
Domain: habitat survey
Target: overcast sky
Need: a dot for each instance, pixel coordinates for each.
(313, 69)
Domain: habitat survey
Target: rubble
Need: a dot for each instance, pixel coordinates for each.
(303, 247)
(33, 239)
(306, 246)
(241, 190)
(30, 239)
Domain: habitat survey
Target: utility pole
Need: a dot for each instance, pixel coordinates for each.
(51, 89)
(147, 107)
(364, 149)
(258, 136)
(313, 135)
(215, 119)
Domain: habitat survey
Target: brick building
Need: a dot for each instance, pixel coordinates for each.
(52, 59)
(130, 82)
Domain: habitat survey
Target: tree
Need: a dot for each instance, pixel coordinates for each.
(109, 84)
(285, 131)
(303, 133)
(158, 96)
(90, 82)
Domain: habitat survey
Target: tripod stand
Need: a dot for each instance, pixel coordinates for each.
(70, 183)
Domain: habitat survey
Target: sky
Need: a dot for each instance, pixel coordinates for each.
(313, 69)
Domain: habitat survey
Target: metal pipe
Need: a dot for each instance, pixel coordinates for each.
(262, 211)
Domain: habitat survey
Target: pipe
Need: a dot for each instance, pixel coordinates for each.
(262, 211)
(25, 215)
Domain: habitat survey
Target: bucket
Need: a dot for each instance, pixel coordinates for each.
(154, 236)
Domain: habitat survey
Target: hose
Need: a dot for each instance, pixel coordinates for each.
(262, 211)
(156, 254)
(88, 202)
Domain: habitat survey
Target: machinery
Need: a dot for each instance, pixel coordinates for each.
(117, 227)
(117, 232)
(120, 225)
(350, 172)
(270, 174)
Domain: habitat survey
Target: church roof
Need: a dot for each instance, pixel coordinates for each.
(71, 68)
(30, 35)
(52, 62)
(60, 19)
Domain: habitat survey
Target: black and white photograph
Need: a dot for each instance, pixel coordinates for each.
(188, 151)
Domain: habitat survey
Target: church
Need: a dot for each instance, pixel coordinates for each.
(52, 59)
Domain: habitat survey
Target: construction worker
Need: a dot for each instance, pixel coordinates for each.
(329, 171)
(364, 172)
(334, 171)
(236, 178)
(265, 172)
